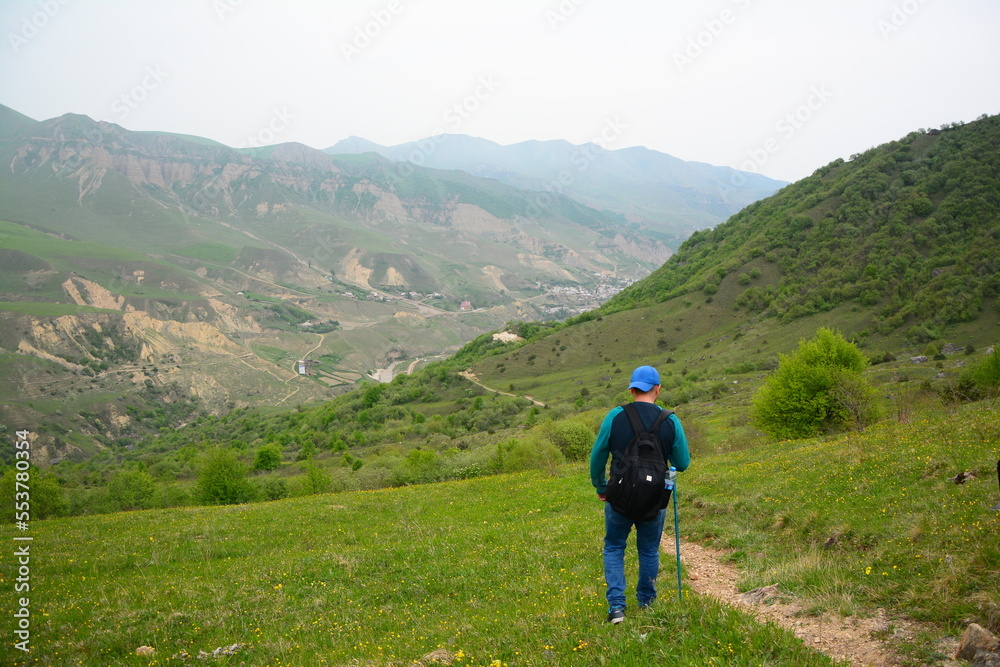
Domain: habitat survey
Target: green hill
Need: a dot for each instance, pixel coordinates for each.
(484, 553)
(507, 569)
(654, 191)
(908, 229)
(713, 348)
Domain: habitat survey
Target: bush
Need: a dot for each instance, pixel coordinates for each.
(573, 438)
(268, 457)
(986, 374)
(529, 453)
(222, 479)
(420, 466)
(271, 488)
(46, 501)
(977, 382)
(316, 479)
(819, 387)
(132, 489)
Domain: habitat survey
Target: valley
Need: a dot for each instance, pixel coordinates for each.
(334, 357)
(216, 271)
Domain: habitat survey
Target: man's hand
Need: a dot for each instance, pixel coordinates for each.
(603, 497)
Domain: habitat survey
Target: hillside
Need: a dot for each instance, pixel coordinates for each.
(909, 229)
(653, 191)
(697, 318)
(485, 444)
(136, 264)
(507, 569)
(845, 248)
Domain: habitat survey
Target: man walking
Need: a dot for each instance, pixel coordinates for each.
(615, 434)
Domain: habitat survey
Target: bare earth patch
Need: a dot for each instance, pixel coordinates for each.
(850, 639)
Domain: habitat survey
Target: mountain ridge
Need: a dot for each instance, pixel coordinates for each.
(654, 190)
(287, 252)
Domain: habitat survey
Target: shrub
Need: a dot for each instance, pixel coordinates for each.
(573, 438)
(419, 467)
(819, 387)
(977, 382)
(268, 458)
(271, 488)
(529, 453)
(47, 499)
(132, 489)
(222, 479)
(316, 479)
(986, 374)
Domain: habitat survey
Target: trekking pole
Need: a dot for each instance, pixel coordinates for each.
(677, 533)
(997, 506)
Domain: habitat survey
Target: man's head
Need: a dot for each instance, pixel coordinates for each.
(644, 379)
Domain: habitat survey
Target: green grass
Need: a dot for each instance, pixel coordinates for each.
(865, 520)
(43, 309)
(210, 252)
(269, 353)
(49, 247)
(496, 571)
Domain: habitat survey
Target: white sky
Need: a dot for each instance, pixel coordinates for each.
(712, 81)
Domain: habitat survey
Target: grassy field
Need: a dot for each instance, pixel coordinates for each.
(494, 571)
(506, 570)
(40, 309)
(867, 520)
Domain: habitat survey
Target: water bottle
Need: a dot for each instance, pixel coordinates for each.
(671, 479)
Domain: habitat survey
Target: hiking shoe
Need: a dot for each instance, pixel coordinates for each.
(616, 615)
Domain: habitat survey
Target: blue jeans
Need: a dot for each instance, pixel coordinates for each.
(647, 538)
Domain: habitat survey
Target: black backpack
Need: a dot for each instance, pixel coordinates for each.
(636, 485)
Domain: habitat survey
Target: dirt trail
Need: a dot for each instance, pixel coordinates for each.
(850, 639)
(471, 377)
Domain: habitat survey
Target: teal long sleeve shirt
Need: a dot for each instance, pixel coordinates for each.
(616, 432)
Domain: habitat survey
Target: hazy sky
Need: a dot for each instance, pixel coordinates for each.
(776, 86)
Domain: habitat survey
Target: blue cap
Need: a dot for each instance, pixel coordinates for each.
(644, 378)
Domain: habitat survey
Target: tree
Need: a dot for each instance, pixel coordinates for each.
(132, 489)
(819, 387)
(46, 495)
(307, 451)
(222, 478)
(316, 480)
(986, 374)
(268, 458)
(571, 436)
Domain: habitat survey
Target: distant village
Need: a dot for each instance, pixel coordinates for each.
(573, 299)
(576, 299)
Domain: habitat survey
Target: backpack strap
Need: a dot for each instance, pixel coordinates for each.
(637, 425)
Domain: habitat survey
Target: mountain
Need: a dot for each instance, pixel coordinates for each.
(898, 248)
(895, 248)
(910, 229)
(653, 190)
(145, 264)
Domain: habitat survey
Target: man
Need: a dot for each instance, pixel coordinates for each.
(615, 434)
